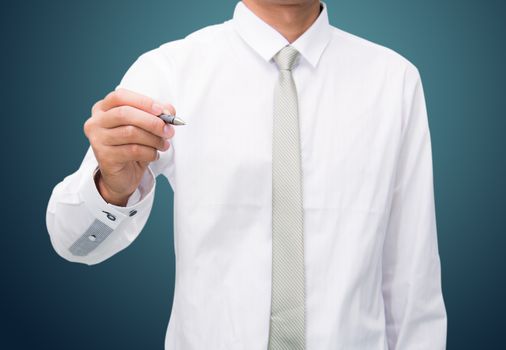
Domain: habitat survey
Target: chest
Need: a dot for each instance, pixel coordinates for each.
(348, 134)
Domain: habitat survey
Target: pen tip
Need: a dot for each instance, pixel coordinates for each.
(179, 121)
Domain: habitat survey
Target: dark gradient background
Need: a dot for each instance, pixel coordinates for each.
(59, 57)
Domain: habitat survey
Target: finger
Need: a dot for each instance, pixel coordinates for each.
(124, 97)
(169, 109)
(127, 134)
(96, 107)
(145, 164)
(127, 115)
(132, 152)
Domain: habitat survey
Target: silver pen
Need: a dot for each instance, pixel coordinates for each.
(171, 119)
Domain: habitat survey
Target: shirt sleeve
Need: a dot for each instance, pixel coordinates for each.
(414, 306)
(82, 226)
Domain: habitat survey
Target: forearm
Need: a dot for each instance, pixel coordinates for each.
(83, 227)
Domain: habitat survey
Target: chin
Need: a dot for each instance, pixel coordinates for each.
(287, 2)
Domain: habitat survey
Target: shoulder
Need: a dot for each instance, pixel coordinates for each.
(201, 40)
(192, 49)
(153, 70)
(366, 52)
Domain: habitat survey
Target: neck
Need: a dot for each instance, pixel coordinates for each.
(290, 19)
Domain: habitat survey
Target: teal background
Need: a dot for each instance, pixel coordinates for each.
(59, 57)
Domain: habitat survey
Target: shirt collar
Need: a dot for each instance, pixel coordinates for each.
(267, 41)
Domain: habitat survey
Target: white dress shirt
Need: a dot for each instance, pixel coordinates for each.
(371, 256)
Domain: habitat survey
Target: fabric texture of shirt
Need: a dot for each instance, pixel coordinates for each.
(372, 265)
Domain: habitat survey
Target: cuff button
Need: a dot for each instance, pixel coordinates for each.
(109, 215)
(132, 212)
(92, 238)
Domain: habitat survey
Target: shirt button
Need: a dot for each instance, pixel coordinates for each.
(92, 238)
(133, 212)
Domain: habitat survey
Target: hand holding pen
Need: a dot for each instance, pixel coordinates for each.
(127, 131)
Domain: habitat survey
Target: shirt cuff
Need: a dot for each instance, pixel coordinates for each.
(110, 214)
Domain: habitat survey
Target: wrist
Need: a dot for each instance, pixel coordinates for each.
(107, 194)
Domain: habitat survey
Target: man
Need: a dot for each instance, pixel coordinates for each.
(303, 193)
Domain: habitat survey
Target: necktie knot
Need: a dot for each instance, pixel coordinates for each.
(286, 57)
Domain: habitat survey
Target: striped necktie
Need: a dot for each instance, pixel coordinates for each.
(287, 307)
